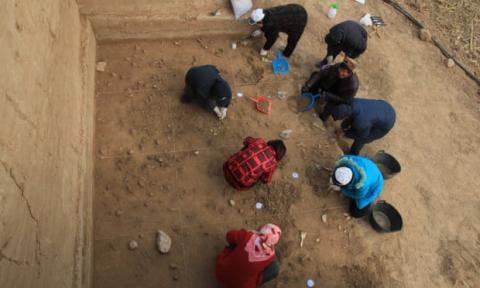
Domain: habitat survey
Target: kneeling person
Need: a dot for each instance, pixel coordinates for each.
(359, 179)
(249, 259)
(205, 85)
(258, 160)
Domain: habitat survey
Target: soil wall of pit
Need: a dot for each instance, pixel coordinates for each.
(47, 51)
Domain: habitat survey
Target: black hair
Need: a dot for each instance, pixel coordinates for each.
(279, 147)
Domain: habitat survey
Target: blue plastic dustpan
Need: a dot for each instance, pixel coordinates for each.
(280, 64)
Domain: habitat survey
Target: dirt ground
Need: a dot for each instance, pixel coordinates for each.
(148, 176)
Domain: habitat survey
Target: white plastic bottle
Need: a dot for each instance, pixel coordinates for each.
(332, 10)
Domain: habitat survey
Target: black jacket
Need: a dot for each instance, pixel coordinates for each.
(207, 82)
(349, 37)
(290, 19)
(368, 116)
(335, 90)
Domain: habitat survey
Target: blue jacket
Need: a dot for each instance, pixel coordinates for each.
(367, 183)
(367, 116)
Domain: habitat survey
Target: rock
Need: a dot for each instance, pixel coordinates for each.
(231, 202)
(130, 152)
(196, 153)
(164, 242)
(101, 66)
(118, 213)
(140, 236)
(113, 74)
(175, 277)
(450, 63)
(172, 266)
(132, 245)
(425, 35)
(324, 218)
(317, 240)
(285, 134)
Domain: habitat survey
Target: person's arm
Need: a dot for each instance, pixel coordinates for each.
(360, 129)
(267, 176)
(271, 35)
(234, 237)
(334, 98)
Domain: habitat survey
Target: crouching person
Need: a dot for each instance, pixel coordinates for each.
(249, 259)
(205, 85)
(359, 179)
(257, 161)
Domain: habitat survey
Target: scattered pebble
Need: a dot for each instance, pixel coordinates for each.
(118, 213)
(146, 204)
(175, 277)
(140, 236)
(231, 202)
(285, 134)
(164, 242)
(172, 266)
(141, 183)
(101, 66)
(132, 245)
(339, 227)
(196, 153)
(130, 152)
(450, 63)
(425, 35)
(317, 240)
(324, 218)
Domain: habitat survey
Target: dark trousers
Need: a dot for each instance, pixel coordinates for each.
(271, 272)
(189, 95)
(292, 42)
(359, 213)
(358, 144)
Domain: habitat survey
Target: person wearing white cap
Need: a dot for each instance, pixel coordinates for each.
(359, 179)
(290, 19)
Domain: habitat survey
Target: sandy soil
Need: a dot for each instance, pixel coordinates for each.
(148, 176)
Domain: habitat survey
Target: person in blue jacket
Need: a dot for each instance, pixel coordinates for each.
(364, 120)
(360, 180)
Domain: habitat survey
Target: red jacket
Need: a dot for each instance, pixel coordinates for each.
(256, 161)
(233, 269)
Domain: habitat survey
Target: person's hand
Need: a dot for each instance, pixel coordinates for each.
(334, 188)
(256, 33)
(305, 88)
(263, 52)
(223, 113)
(339, 133)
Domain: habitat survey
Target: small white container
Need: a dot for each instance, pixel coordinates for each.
(310, 283)
(332, 11)
(234, 45)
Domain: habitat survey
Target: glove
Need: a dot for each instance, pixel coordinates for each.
(329, 59)
(217, 111)
(223, 112)
(256, 33)
(263, 52)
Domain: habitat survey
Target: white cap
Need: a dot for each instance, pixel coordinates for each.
(257, 16)
(343, 175)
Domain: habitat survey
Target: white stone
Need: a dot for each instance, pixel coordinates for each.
(164, 242)
(101, 66)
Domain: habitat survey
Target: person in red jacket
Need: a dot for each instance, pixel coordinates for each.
(249, 259)
(256, 161)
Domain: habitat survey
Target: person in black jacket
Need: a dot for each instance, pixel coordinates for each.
(337, 84)
(348, 37)
(290, 19)
(364, 120)
(205, 85)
